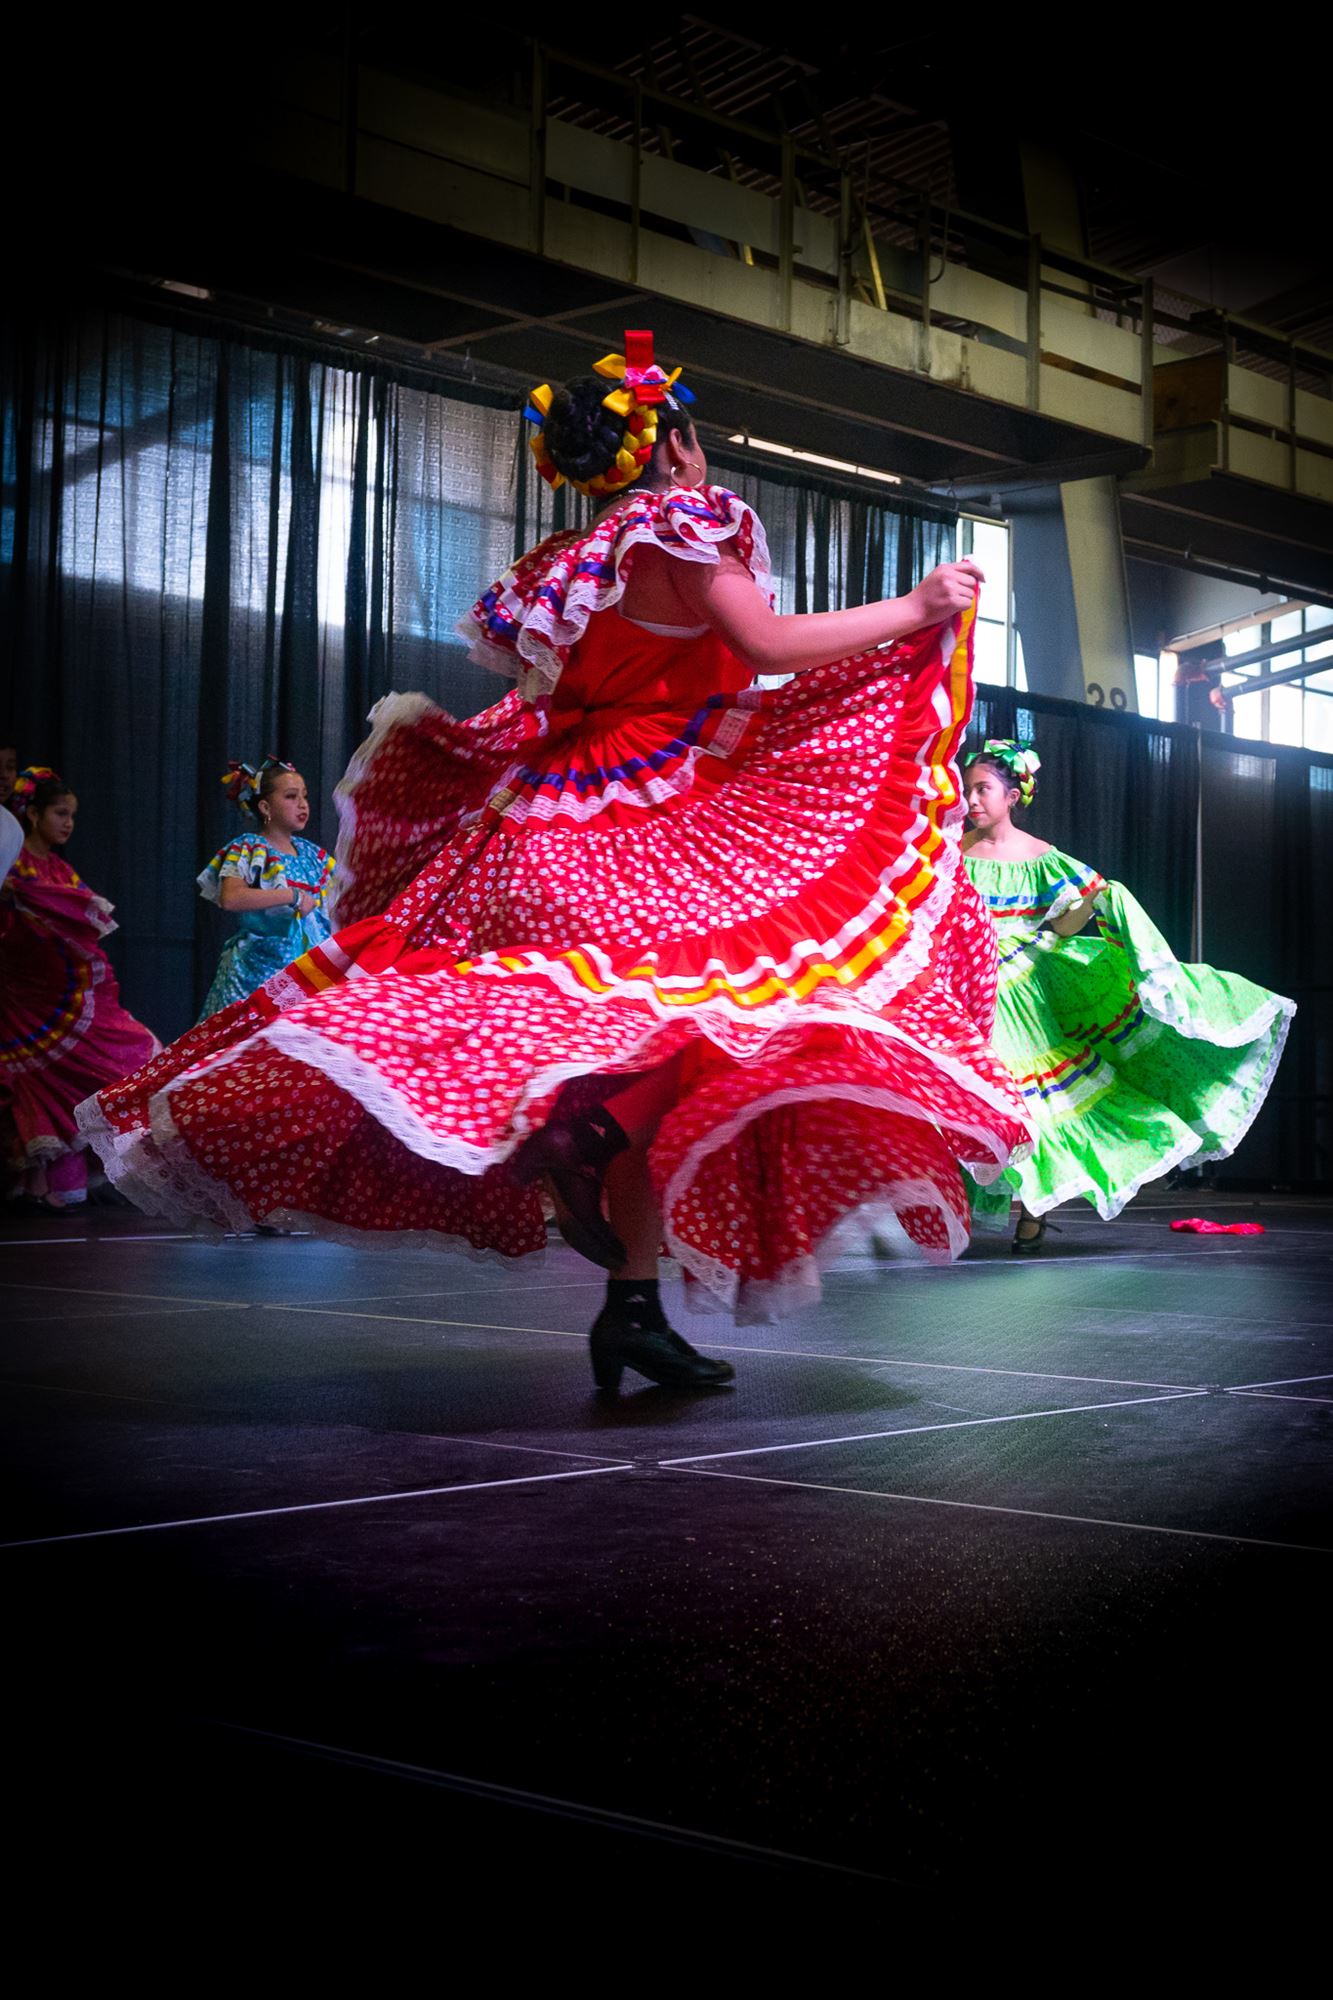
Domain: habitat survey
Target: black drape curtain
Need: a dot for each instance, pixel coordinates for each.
(1267, 891)
(832, 544)
(200, 563)
(1118, 791)
(220, 546)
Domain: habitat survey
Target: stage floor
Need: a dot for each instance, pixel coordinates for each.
(1002, 1576)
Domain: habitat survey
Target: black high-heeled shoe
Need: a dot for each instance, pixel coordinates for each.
(1028, 1246)
(638, 1336)
(574, 1155)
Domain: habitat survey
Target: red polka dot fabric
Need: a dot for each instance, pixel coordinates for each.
(650, 856)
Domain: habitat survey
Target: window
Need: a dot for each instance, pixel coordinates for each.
(998, 658)
(1153, 687)
(1298, 712)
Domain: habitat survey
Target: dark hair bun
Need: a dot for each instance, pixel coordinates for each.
(582, 438)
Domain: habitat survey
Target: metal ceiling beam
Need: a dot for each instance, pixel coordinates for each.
(1259, 654)
(524, 324)
(1283, 674)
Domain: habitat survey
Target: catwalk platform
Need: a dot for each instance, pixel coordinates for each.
(1004, 1577)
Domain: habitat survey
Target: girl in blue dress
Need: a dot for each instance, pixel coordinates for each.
(274, 880)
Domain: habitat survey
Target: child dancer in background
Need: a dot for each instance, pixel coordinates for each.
(1129, 1063)
(274, 880)
(63, 1031)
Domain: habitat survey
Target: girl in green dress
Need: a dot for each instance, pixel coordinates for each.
(1129, 1063)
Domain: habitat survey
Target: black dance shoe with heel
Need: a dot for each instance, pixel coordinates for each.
(1028, 1246)
(634, 1333)
(574, 1155)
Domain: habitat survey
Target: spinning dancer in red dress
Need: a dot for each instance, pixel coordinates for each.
(698, 957)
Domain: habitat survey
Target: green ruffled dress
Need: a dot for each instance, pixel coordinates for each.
(1129, 1062)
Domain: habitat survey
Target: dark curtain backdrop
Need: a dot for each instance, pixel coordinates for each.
(217, 547)
(1118, 791)
(1267, 896)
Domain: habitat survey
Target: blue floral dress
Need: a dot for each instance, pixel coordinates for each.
(266, 939)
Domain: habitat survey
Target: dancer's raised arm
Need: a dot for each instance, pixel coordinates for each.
(728, 599)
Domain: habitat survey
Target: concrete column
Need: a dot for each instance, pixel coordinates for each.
(1070, 596)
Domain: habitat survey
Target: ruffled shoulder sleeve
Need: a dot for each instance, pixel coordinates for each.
(526, 624)
(243, 859)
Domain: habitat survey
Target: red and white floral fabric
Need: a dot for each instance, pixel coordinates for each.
(635, 853)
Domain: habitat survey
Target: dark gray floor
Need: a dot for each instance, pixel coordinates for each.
(1006, 1576)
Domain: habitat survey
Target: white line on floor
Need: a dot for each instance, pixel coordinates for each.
(418, 1319)
(743, 1347)
(1227, 1319)
(1055, 1260)
(125, 1312)
(1283, 1382)
(955, 1367)
(1273, 1396)
(987, 1507)
(99, 1292)
(464, 1291)
(916, 1430)
(28, 1242)
(543, 1801)
(103, 1395)
(178, 1236)
(317, 1506)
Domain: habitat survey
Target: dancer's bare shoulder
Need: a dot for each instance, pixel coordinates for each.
(1018, 847)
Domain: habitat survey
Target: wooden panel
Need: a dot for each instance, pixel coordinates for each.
(1314, 417)
(588, 241)
(705, 201)
(402, 178)
(1314, 476)
(1092, 405)
(972, 296)
(450, 128)
(709, 202)
(993, 372)
(1257, 397)
(1190, 392)
(587, 161)
(881, 336)
(717, 284)
(1093, 343)
(1255, 457)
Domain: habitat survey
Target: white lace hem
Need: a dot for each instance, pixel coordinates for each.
(759, 1301)
(1188, 1152)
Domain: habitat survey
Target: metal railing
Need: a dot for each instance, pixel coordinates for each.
(884, 249)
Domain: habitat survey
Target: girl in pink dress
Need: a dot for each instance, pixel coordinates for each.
(63, 1031)
(697, 958)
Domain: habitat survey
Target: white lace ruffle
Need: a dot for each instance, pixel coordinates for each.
(1188, 1151)
(1161, 997)
(759, 1302)
(866, 1229)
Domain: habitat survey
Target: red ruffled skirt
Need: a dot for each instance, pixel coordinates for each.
(769, 881)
